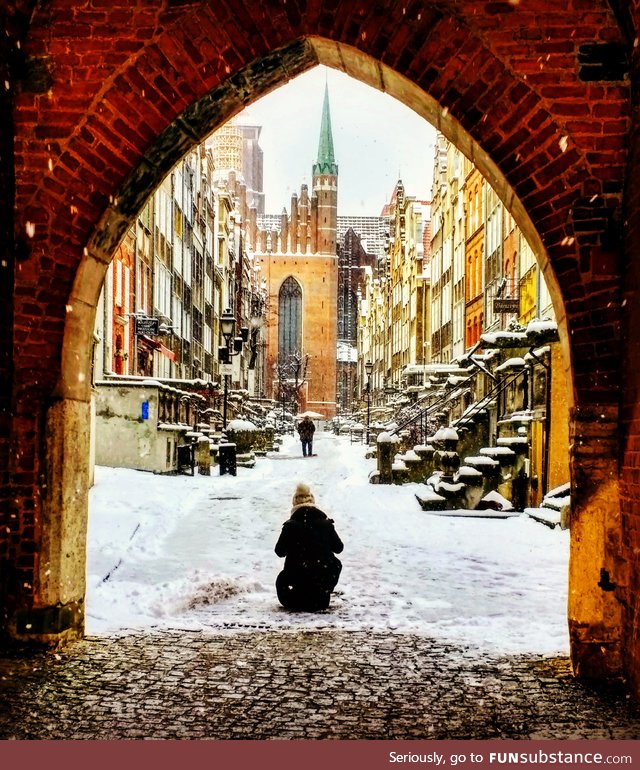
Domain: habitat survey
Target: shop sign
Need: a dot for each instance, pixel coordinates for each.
(506, 305)
(147, 325)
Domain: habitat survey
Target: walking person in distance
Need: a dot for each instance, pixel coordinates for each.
(306, 429)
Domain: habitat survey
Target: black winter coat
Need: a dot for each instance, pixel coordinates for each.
(306, 429)
(308, 540)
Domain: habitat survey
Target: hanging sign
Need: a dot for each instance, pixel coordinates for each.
(506, 305)
(147, 325)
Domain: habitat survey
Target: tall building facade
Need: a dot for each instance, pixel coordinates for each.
(297, 256)
(184, 261)
(395, 321)
(355, 263)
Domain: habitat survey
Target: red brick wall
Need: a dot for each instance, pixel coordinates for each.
(630, 422)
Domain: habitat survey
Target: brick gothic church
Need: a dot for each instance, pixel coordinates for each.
(298, 257)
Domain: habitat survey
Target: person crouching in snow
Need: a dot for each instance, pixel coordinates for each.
(308, 542)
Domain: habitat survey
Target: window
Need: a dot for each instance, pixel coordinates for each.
(118, 297)
(162, 289)
(126, 299)
(290, 317)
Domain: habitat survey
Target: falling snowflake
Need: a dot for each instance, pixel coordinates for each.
(563, 142)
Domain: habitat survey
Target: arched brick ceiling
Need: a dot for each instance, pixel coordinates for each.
(114, 92)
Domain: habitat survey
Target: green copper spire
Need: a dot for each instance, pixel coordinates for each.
(326, 162)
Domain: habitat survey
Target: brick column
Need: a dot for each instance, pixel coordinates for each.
(630, 417)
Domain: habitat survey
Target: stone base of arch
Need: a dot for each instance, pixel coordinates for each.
(53, 613)
(596, 569)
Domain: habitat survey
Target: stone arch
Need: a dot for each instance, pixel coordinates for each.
(157, 78)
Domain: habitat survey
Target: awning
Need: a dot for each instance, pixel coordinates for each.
(166, 352)
(149, 342)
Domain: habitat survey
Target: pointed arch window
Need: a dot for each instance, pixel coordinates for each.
(290, 318)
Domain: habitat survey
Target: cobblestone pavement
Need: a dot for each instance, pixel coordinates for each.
(302, 684)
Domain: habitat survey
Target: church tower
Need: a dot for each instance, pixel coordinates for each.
(325, 185)
(296, 255)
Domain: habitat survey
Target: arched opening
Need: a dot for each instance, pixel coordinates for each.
(290, 314)
(596, 527)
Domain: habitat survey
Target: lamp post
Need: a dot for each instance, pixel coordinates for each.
(368, 367)
(233, 346)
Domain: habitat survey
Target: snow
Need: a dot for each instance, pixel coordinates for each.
(545, 516)
(504, 339)
(557, 503)
(496, 497)
(482, 461)
(510, 441)
(196, 552)
(497, 451)
(241, 425)
(429, 495)
(445, 434)
(539, 325)
(511, 363)
(467, 471)
(562, 491)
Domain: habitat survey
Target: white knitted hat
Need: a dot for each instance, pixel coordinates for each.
(303, 496)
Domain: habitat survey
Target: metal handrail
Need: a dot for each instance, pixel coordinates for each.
(495, 391)
(427, 409)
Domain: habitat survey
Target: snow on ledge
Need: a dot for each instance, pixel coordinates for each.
(445, 434)
(387, 438)
(241, 425)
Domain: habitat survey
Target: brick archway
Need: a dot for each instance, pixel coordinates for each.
(106, 100)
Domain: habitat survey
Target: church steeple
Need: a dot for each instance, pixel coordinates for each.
(326, 162)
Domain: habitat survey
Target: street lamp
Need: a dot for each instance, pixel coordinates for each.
(233, 346)
(368, 367)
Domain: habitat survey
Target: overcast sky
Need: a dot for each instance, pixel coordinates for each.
(375, 138)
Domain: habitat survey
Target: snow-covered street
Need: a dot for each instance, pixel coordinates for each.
(185, 552)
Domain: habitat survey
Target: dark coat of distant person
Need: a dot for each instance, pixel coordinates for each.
(306, 429)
